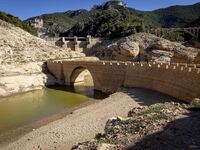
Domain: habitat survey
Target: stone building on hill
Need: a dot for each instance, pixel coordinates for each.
(37, 23)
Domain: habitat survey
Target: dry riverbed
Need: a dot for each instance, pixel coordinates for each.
(82, 124)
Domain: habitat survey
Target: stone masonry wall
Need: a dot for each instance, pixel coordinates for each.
(181, 81)
(75, 44)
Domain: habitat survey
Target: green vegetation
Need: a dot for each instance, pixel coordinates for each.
(108, 141)
(157, 112)
(153, 109)
(58, 23)
(143, 120)
(109, 20)
(17, 22)
(113, 20)
(111, 23)
(55, 23)
(175, 16)
(195, 23)
(175, 36)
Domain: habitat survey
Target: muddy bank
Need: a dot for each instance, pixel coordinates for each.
(16, 133)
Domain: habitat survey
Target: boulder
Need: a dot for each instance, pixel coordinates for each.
(129, 48)
(164, 50)
(144, 46)
(123, 49)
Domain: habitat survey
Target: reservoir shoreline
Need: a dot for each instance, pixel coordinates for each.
(81, 125)
(17, 132)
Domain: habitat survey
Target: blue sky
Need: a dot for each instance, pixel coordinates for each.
(28, 8)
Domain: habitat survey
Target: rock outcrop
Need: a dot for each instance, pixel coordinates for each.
(123, 49)
(160, 49)
(22, 58)
(159, 126)
(143, 46)
(23, 78)
(18, 46)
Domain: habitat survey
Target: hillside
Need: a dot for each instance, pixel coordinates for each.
(175, 16)
(195, 23)
(21, 60)
(110, 19)
(18, 46)
(106, 20)
(112, 22)
(17, 22)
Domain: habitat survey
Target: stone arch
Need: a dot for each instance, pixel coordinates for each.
(78, 75)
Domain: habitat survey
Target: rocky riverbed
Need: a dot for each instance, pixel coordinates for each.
(163, 126)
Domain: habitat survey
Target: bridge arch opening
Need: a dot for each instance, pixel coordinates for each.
(82, 81)
(81, 76)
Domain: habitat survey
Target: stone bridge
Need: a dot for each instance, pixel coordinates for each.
(181, 81)
(193, 31)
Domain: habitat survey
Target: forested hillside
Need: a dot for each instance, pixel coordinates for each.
(106, 20)
(195, 23)
(175, 16)
(113, 20)
(109, 22)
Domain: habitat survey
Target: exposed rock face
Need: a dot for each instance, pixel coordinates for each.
(123, 49)
(18, 46)
(160, 49)
(20, 53)
(150, 47)
(22, 78)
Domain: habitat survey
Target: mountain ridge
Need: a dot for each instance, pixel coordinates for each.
(68, 21)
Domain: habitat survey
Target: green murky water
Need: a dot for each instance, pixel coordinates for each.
(25, 108)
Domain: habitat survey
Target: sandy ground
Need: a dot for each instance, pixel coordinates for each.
(80, 126)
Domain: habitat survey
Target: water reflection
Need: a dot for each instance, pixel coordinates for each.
(32, 106)
(88, 91)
